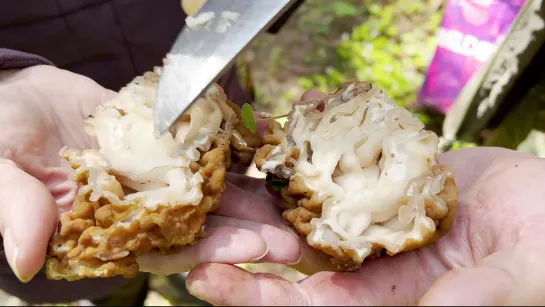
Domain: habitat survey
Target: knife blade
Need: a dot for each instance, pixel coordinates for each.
(202, 52)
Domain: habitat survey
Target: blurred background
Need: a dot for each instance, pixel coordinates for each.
(329, 42)
(474, 80)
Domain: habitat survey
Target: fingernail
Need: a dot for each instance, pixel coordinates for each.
(261, 257)
(296, 262)
(150, 262)
(12, 253)
(195, 288)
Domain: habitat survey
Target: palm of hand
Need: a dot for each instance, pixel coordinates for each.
(489, 257)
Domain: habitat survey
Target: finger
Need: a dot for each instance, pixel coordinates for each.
(511, 277)
(247, 183)
(276, 194)
(244, 205)
(283, 247)
(223, 245)
(398, 280)
(251, 289)
(240, 204)
(313, 95)
(312, 260)
(250, 184)
(28, 217)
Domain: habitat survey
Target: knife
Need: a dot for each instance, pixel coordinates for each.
(205, 48)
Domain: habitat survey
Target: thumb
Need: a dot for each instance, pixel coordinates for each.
(28, 217)
(510, 277)
(191, 7)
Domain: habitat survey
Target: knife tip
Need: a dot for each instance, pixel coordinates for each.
(160, 129)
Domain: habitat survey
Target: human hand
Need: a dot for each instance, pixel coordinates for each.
(491, 256)
(43, 109)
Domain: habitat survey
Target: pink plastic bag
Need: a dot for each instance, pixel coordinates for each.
(470, 33)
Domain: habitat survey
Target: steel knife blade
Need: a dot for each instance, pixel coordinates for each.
(220, 30)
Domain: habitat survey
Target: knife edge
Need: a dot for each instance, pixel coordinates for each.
(169, 106)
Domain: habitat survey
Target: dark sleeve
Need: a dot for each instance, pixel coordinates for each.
(13, 59)
(284, 19)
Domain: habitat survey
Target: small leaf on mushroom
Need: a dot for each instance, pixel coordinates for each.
(248, 118)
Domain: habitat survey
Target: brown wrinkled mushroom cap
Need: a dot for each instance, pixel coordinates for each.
(362, 175)
(138, 193)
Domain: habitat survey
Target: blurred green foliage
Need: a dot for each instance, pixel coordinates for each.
(320, 15)
(392, 48)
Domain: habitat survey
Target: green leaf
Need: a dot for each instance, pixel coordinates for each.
(392, 31)
(342, 9)
(276, 183)
(387, 16)
(375, 9)
(248, 118)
